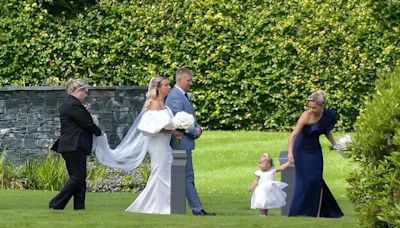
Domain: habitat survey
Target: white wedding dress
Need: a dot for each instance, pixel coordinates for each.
(155, 198)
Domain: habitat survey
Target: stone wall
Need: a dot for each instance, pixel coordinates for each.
(30, 123)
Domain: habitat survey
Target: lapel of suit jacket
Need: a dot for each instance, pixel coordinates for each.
(187, 102)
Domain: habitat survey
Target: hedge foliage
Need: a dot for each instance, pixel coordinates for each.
(255, 61)
(375, 183)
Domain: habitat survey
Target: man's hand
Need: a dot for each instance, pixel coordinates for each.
(199, 131)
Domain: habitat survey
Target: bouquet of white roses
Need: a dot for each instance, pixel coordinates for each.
(183, 121)
(343, 145)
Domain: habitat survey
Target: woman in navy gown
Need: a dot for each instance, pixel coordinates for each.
(312, 196)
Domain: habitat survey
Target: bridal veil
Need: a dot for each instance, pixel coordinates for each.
(129, 154)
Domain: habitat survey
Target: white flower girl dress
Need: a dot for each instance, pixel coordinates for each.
(268, 193)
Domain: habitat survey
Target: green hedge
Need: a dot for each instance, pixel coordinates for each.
(375, 183)
(255, 62)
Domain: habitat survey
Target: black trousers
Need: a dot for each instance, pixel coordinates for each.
(76, 185)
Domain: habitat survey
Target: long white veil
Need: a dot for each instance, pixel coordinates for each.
(129, 154)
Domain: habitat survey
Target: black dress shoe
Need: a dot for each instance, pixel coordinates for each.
(204, 213)
(54, 208)
(51, 206)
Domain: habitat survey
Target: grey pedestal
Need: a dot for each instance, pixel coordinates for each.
(178, 194)
(288, 176)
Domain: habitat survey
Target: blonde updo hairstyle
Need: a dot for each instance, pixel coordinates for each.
(152, 92)
(74, 85)
(319, 97)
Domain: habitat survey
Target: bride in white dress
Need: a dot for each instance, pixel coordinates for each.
(151, 132)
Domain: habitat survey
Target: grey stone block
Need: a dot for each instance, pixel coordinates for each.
(178, 176)
(288, 176)
(2, 106)
(30, 143)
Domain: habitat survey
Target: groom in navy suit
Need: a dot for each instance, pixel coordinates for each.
(178, 101)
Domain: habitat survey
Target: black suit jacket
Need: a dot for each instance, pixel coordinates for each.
(77, 128)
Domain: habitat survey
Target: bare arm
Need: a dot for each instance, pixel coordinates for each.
(254, 184)
(156, 105)
(299, 126)
(330, 137)
(283, 166)
(173, 132)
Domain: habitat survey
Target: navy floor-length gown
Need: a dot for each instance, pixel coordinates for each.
(312, 196)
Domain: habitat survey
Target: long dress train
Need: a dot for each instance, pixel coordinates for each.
(312, 196)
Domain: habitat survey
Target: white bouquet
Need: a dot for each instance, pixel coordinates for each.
(343, 145)
(183, 121)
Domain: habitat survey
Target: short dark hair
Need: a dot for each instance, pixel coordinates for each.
(181, 72)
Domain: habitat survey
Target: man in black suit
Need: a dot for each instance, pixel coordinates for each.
(75, 143)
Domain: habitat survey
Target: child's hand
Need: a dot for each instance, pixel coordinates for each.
(254, 184)
(252, 187)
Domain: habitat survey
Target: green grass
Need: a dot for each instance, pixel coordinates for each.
(224, 162)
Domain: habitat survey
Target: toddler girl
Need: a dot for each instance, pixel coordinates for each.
(267, 193)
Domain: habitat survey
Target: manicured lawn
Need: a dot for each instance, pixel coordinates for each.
(224, 163)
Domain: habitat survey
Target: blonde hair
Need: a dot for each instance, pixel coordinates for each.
(75, 84)
(318, 97)
(152, 92)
